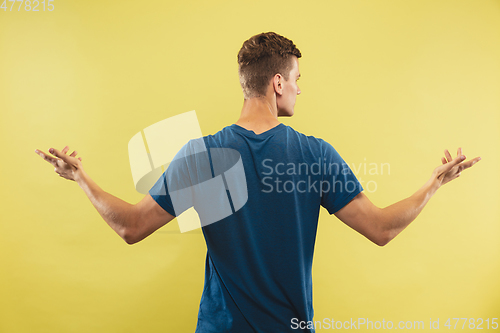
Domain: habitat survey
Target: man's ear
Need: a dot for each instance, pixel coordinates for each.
(278, 84)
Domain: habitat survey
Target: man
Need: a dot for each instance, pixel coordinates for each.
(259, 259)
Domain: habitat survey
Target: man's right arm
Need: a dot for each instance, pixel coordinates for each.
(131, 222)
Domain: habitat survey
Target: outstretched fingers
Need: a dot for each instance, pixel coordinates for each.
(443, 169)
(452, 168)
(470, 163)
(59, 154)
(73, 154)
(66, 166)
(448, 155)
(46, 157)
(463, 166)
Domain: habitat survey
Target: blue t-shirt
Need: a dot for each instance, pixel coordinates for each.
(259, 258)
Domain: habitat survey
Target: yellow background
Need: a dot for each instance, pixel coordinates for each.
(383, 81)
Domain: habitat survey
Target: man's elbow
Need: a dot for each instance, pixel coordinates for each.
(383, 238)
(131, 231)
(382, 242)
(129, 236)
(129, 240)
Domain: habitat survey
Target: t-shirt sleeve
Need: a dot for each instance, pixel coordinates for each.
(174, 190)
(338, 179)
(159, 193)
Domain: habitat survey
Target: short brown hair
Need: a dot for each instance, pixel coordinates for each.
(260, 58)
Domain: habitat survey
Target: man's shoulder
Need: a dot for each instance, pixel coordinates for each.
(308, 139)
(223, 131)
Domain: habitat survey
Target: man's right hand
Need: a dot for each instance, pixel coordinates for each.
(66, 166)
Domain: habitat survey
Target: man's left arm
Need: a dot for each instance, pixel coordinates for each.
(381, 225)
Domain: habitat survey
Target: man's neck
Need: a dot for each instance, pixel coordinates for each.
(258, 115)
